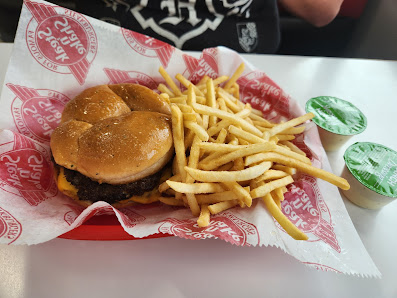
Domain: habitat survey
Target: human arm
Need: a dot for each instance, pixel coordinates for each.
(317, 12)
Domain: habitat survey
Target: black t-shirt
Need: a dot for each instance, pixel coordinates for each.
(243, 25)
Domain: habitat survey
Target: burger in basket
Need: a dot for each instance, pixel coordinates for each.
(113, 144)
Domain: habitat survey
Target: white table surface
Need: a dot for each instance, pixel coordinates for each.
(172, 267)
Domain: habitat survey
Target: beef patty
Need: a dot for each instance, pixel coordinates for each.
(94, 191)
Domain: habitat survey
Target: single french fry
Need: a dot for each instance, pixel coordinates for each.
(211, 101)
(195, 188)
(227, 176)
(222, 206)
(271, 175)
(169, 81)
(217, 147)
(287, 225)
(276, 199)
(193, 161)
(194, 153)
(204, 218)
(270, 186)
(178, 136)
(192, 203)
(284, 137)
(191, 96)
(294, 130)
(293, 147)
(291, 123)
(235, 76)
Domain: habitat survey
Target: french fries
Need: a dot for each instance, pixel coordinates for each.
(228, 155)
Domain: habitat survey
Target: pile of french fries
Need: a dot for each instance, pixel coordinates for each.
(227, 154)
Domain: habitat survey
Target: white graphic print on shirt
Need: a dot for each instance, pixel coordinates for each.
(179, 11)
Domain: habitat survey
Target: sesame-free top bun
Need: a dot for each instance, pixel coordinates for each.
(94, 104)
(104, 101)
(113, 139)
(141, 98)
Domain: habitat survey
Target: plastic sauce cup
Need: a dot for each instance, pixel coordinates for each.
(337, 120)
(371, 170)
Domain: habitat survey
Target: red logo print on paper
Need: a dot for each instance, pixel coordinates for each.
(26, 170)
(321, 267)
(149, 46)
(191, 64)
(130, 218)
(10, 228)
(305, 207)
(61, 40)
(225, 226)
(263, 94)
(206, 65)
(70, 216)
(121, 76)
(37, 112)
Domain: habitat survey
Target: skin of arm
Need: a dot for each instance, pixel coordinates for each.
(317, 12)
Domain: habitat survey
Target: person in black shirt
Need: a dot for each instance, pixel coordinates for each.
(243, 25)
(250, 26)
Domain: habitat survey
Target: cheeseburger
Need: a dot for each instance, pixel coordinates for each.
(114, 144)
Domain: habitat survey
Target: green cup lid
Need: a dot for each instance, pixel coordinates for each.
(374, 165)
(336, 115)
